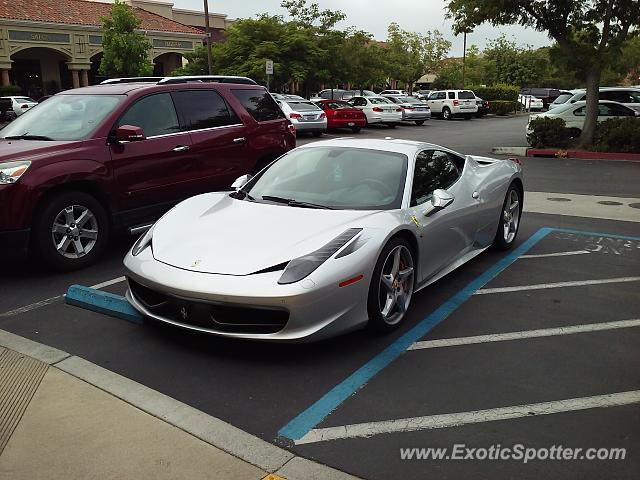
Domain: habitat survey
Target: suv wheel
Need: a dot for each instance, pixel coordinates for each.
(71, 231)
(446, 113)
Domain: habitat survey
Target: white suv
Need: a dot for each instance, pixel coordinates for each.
(453, 103)
(20, 104)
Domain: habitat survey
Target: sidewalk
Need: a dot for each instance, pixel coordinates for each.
(55, 425)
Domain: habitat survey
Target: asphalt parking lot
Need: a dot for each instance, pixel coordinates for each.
(546, 334)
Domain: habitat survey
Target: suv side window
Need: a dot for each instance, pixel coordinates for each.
(452, 95)
(202, 109)
(441, 96)
(259, 103)
(434, 169)
(155, 114)
(359, 102)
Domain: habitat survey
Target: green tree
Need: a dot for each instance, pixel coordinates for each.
(449, 76)
(590, 34)
(197, 63)
(411, 55)
(125, 49)
(363, 60)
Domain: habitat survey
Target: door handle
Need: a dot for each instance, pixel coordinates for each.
(239, 140)
(181, 148)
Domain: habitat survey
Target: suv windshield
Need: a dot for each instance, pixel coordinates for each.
(63, 117)
(334, 177)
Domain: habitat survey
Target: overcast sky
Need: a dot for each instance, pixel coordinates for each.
(375, 15)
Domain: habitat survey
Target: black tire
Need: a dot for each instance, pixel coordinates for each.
(317, 134)
(419, 122)
(500, 242)
(43, 236)
(467, 117)
(479, 115)
(446, 114)
(376, 320)
(391, 125)
(356, 129)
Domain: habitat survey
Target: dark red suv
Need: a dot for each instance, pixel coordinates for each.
(115, 157)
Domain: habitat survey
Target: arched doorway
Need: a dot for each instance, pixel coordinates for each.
(166, 63)
(94, 74)
(40, 71)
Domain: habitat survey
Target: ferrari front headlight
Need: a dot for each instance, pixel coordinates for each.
(10, 172)
(302, 267)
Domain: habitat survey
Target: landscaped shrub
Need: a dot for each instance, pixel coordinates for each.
(618, 135)
(502, 107)
(499, 91)
(10, 90)
(549, 132)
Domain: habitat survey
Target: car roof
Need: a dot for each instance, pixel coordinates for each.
(125, 88)
(407, 147)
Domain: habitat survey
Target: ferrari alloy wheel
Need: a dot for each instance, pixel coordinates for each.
(509, 219)
(391, 286)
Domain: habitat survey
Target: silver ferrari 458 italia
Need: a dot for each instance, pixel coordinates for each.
(330, 237)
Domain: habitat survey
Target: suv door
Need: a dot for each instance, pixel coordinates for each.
(447, 234)
(436, 101)
(218, 138)
(153, 173)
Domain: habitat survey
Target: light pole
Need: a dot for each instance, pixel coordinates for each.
(208, 34)
(464, 56)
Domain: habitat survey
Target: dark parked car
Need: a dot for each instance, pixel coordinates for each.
(547, 95)
(115, 157)
(483, 107)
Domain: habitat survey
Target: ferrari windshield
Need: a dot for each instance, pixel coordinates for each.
(333, 177)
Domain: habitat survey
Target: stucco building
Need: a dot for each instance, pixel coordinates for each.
(50, 45)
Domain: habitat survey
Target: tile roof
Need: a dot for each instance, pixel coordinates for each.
(82, 12)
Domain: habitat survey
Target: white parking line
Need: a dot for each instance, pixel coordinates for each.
(49, 301)
(557, 254)
(541, 286)
(545, 332)
(108, 283)
(463, 418)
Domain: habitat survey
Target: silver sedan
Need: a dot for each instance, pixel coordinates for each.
(331, 237)
(305, 115)
(413, 110)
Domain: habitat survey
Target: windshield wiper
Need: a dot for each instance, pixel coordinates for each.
(292, 202)
(29, 137)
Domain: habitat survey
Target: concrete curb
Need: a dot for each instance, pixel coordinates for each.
(519, 151)
(207, 428)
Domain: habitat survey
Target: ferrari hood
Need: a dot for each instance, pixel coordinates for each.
(214, 233)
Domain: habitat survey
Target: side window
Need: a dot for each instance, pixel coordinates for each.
(634, 97)
(359, 102)
(326, 94)
(204, 109)
(620, 111)
(604, 110)
(155, 114)
(452, 95)
(441, 96)
(260, 105)
(434, 169)
(580, 112)
(433, 96)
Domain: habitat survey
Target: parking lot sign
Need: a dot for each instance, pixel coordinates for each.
(269, 67)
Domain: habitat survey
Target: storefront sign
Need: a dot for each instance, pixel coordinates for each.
(172, 44)
(40, 37)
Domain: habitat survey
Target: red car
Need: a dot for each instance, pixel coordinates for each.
(112, 157)
(342, 115)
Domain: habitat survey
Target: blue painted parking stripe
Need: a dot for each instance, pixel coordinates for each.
(317, 412)
(102, 302)
(596, 234)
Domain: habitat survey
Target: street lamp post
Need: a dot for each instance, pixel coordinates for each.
(208, 34)
(464, 56)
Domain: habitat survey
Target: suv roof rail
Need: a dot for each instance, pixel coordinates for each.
(111, 81)
(207, 78)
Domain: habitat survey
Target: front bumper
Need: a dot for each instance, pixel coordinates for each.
(316, 307)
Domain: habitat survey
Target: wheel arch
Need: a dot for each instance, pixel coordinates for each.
(84, 186)
(410, 237)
